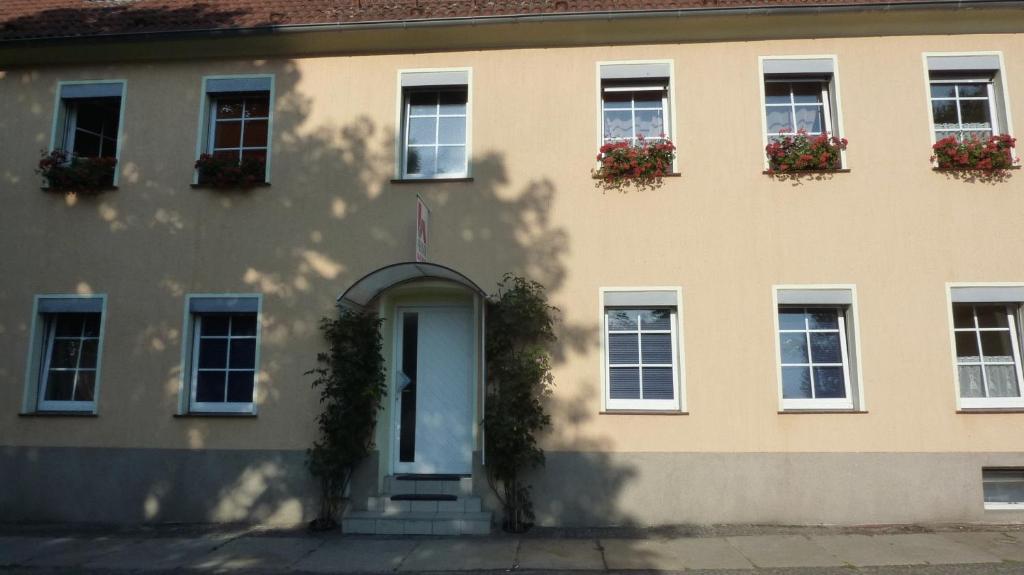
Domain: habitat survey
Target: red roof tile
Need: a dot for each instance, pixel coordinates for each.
(40, 19)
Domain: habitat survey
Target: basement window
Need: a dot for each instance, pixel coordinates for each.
(1003, 488)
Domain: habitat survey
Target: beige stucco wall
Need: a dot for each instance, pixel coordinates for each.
(722, 231)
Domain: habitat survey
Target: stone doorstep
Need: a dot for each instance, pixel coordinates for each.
(417, 523)
(387, 505)
(462, 486)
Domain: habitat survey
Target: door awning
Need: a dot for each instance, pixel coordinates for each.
(363, 291)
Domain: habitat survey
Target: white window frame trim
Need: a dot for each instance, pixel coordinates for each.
(32, 398)
(830, 404)
(833, 116)
(190, 354)
(984, 403)
(58, 114)
(204, 139)
(670, 109)
(678, 403)
(402, 129)
(1004, 81)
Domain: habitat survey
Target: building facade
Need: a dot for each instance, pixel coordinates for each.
(841, 347)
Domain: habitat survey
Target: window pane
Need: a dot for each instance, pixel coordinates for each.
(65, 353)
(796, 383)
(996, 346)
(807, 92)
(618, 125)
(971, 384)
(87, 145)
(421, 161)
(624, 383)
(256, 107)
(656, 319)
(967, 346)
(422, 130)
(452, 131)
(85, 386)
(423, 103)
(69, 324)
(1003, 485)
(454, 102)
(1002, 381)
(215, 325)
(59, 385)
(650, 123)
(779, 119)
(776, 93)
(810, 119)
(213, 353)
(210, 386)
(974, 114)
(825, 348)
(944, 114)
(622, 320)
(823, 318)
(658, 383)
(259, 154)
(829, 382)
(243, 324)
(790, 318)
(451, 160)
(229, 107)
(794, 347)
(991, 316)
(227, 135)
(623, 348)
(255, 134)
(90, 349)
(657, 348)
(978, 90)
(648, 99)
(617, 100)
(943, 90)
(243, 353)
(240, 386)
(963, 315)
(230, 155)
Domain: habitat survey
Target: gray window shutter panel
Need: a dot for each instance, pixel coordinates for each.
(241, 304)
(221, 85)
(97, 90)
(993, 294)
(70, 305)
(963, 63)
(837, 296)
(792, 66)
(440, 78)
(635, 71)
(659, 298)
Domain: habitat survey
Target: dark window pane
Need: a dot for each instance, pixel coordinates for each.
(991, 316)
(793, 347)
(776, 93)
(69, 324)
(656, 319)
(657, 348)
(796, 383)
(996, 346)
(65, 353)
(87, 145)
(213, 353)
(215, 325)
(421, 103)
(623, 348)
(978, 90)
(59, 385)
(210, 386)
(943, 90)
(90, 350)
(85, 386)
(647, 99)
(825, 348)
(229, 107)
(790, 318)
(967, 346)
(243, 324)
(658, 383)
(828, 382)
(823, 319)
(243, 353)
(92, 325)
(944, 114)
(259, 154)
(257, 107)
(227, 135)
(255, 134)
(807, 92)
(617, 100)
(454, 102)
(240, 386)
(621, 320)
(975, 113)
(625, 383)
(230, 155)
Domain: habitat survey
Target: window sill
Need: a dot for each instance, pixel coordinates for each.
(228, 189)
(672, 175)
(50, 190)
(812, 411)
(642, 412)
(224, 414)
(795, 173)
(972, 410)
(972, 170)
(58, 414)
(1013, 507)
(429, 180)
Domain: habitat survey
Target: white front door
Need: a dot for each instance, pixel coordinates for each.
(434, 390)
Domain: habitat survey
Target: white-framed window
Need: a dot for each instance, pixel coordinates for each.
(985, 322)
(800, 94)
(88, 119)
(1003, 488)
(642, 359)
(65, 354)
(635, 101)
(816, 348)
(435, 112)
(221, 353)
(966, 95)
(236, 119)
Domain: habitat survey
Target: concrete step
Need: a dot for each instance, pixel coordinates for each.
(416, 523)
(446, 485)
(389, 506)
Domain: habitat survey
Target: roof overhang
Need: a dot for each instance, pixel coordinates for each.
(368, 287)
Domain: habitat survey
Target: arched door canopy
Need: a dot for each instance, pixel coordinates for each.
(368, 287)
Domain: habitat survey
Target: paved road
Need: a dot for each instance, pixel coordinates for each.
(965, 552)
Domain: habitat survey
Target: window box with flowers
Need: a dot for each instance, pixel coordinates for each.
(800, 153)
(638, 163)
(73, 174)
(992, 155)
(230, 172)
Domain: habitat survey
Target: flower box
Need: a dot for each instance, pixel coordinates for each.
(990, 155)
(641, 163)
(800, 152)
(71, 174)
(227, 173)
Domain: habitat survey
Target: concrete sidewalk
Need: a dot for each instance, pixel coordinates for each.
(840, 551)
